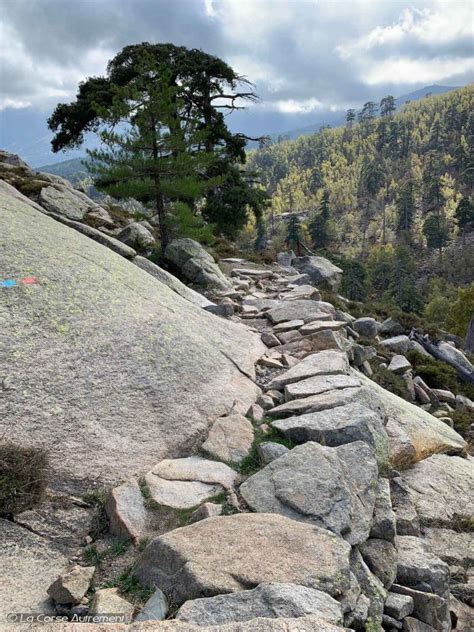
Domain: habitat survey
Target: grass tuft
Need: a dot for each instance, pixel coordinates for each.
(23, 477)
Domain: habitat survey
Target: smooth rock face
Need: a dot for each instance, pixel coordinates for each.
(442, 489)
(267, 600)
(29, 564)
(132, 348)
(319, 384)
(320, 271)
(172, 282)
(418, 568)
(337, 426)
(126, 511)
(330, 487)
(72, 586)
(230, 439)
(252, 549)
(196, 264)
(323, 363)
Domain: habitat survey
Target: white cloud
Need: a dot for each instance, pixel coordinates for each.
(402, 70)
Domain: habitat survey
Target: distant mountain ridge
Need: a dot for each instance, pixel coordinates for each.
(338, 119)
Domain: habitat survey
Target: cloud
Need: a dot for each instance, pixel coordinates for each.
(305, 56)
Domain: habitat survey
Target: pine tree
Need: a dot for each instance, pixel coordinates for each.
(319, 227)
(293, 235)
(464, 216)
(406, 210)
(387, 106)
(350, 118)
(403, 288)
(436, 232)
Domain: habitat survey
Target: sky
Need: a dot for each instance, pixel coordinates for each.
(307, 58)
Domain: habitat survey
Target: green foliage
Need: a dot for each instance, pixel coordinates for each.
(293, 235)
(185, 223)
(100, 522)
(436, 231)
(464, 215)
(392, 382)
(462, 420)
(251, 463)
(129, 586)
(461, 311)
(320, 225)
(23, 477)
(158, 112)
(435, 373)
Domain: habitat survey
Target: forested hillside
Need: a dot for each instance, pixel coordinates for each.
(388, 189)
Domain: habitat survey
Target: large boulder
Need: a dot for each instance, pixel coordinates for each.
(453, 355)
(228, 554)
(106, 364)
(196, 264)
(442, 490)
(267, 600)
(64, 200)
(137, 236)
(414, 434)
(333, 488)
(320, 271)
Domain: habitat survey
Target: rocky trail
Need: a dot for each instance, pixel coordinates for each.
(222, 462)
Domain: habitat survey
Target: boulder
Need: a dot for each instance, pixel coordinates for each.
(330, 487)
(371, 587)
(340, 425)
(196, 264)
(108, 601)
(301, 309)
(266, 600)
(442, 489)
(407, 521)
(444, 395)
(270, 339)
(397, 344)
(268, 451)
(453, 547)
(66, 201)
(288, 325)
(206, 510)
(453, 355)
(186, 483)
(228, 554)
(367, 327)
(302, 291)
(320, 271)
(230, 439)
(391, 327)
(137, 236)
(132, 349)
(419, 568)
(284, 259)
(383, 522)
(399, 364)
(319, 384)
(328, 339)
(288, 336)
(155, 609)
(125, 508)
(71, 587)
(315, 326)
(414, 625)
(414, 434)
(362, 354)
(381, 557)
(398, 606)
(429, 608)
(313, 403)
(324, 363)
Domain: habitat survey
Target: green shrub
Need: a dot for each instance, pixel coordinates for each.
(462, 420)
(435, 373)
(392, 382)
(23, 477)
